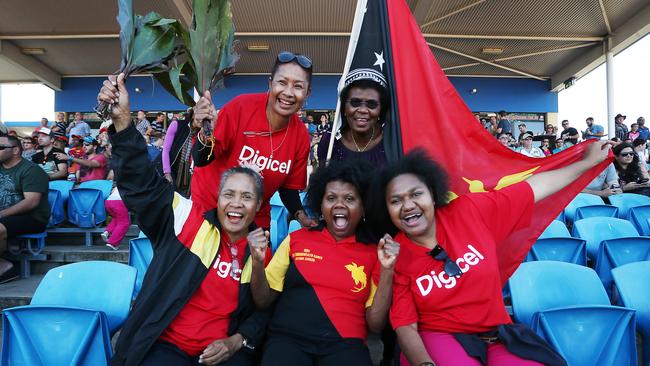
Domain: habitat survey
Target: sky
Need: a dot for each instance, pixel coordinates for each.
(30, 102)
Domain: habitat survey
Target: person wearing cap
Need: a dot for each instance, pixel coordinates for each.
(60, 142)
(78, 126)
(93, 167)
(365, 105)
(621, 130)
(528, 149)
(47, 159)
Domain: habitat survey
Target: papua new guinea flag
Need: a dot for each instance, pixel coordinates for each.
(427, 112)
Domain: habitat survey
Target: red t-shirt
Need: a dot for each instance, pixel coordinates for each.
(242, 135)
(469, 229)
(206, 316)
(87, 174)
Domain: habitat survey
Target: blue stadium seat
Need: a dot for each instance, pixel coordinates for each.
(105, 186)
(560, 217)
(63, 186)
(596, 211)
(86, 207)
(632, 282)
(617, 252)
(542, 285)
(570, 250)
(590, 335)
(582, 199)
(57, 212)
(625, 201)
(640, 217)
(556, 229)
(279, 225)
(34, 243)
(94, 285)
(293, 226)
(140, 255)
(594, 230)
(44, 335)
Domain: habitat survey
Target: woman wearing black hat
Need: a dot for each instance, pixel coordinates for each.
(365, 105)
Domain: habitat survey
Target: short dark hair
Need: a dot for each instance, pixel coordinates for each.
(356, 172)
(368, 84)
(278, 63)
(522, 125)
(418, 163)
(638, 141)
(15, 142)
(503, 113)
(159, 114)
(142, 110)
(589, 119)
(257, 179)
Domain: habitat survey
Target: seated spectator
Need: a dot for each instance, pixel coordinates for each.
(522, 132)
(78, 127)
(559, 145)
(634, 133)
(23, 199)
(44, 123)
(545, 147)
(639, 145)
(142, 125)
(605, 184)
(76, 150)
(492, 128)
(29, 147)
(504, 139)
(528, 149)
(633, 178)
(643, 130)
(47, 159)
(158, 124)
(60, 142)
(60, 125)
(93, 166)
(593, 131)
(569, 134)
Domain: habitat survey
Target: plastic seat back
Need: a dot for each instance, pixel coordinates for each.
(581, 200)
(63, 186)
(625, 201)
(279, 225)
(590, 335)
(44, 336)
(596, 211)
(57, 213)
(542, 285)
(105, 186)
(617, 252)
(632, 284)
(293, 226)
(594, 230)
(95, 285)
(140, 255)
(569, 250)
(556, 229)
(86, 207)
(640, 217)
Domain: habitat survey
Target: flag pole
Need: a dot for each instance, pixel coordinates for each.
(354, 39)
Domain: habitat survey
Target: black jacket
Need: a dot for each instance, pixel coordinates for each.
(175, 272)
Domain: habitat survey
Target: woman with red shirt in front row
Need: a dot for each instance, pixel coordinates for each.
(447, 303)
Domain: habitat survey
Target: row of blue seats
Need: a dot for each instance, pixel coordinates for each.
(85, 204)
(586, 205)
(567, 306)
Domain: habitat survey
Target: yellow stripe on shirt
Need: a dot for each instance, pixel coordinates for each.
(206, 243)
(276, 271)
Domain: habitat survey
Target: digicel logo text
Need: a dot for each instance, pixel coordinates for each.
(465, 262)
(248, 154)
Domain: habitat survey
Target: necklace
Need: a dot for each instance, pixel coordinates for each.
(273, 150)
(372, 135)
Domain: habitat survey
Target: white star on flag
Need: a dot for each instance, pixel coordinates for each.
(380, 60)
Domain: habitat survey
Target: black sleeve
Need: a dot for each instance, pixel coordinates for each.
(201, 153)
(141, 189)
(254, 327)
(291, 200)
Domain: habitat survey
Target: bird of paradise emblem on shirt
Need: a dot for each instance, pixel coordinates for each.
(358, 275)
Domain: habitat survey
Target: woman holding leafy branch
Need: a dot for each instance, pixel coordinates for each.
(260, 129)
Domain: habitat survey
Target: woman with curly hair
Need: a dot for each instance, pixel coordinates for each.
(329, 283)
(447, 304)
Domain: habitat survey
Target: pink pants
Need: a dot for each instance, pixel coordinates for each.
(445, 350)
(120, 222)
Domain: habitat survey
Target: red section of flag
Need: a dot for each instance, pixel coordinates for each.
(433, 116)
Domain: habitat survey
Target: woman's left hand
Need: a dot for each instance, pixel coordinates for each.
(388, 251)
(597, 151)
(221, 350)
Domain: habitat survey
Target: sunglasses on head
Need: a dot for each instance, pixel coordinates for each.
(2, 147)
(370, 103)
(450, 267)
(286, 57)
(627, 154)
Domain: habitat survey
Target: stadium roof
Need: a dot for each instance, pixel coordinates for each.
(553, 40)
